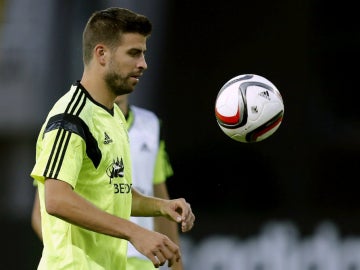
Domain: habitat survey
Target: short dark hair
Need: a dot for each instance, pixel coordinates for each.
(107, 26)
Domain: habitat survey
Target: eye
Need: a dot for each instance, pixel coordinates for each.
(136, 53)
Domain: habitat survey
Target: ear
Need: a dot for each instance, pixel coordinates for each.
(100, 54)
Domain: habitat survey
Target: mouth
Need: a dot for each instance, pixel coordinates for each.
(136, 77)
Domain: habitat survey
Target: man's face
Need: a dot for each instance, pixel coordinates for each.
(126, 64)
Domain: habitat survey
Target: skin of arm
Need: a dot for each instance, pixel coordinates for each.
(72, 209)
(166, 226)
(177, 210)
(36, 216)
(61, 201)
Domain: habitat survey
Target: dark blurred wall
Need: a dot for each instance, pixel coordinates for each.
(307, 171)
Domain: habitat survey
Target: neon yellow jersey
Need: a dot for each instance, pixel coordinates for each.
(163, 168)
(87, 146)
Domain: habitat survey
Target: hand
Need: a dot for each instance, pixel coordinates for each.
(156, 246)
(180, 211)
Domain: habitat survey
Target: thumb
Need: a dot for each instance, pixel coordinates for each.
(175, 216)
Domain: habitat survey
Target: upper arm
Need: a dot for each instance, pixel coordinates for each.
(57, 194)
(36, 216)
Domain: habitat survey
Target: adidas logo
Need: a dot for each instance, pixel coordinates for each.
(265, 94)
(145, 148)
(107, 139)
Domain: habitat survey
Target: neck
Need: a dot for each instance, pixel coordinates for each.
(123, 104)
(98, 90)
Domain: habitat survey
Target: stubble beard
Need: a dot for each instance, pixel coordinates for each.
(117, 84)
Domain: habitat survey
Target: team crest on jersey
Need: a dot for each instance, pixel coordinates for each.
(116, 169)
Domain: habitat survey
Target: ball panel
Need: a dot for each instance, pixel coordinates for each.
(229, 106)
(228, 120)
(265, 130)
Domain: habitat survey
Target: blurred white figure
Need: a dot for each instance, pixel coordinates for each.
(239, 257)
(278, 246)
(321, 252)
(213, 253)
(274, 248)
(278, 241)
(350, 254)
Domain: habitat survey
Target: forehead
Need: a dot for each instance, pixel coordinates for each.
(133, 41)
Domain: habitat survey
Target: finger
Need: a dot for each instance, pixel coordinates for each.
(171, 252)
(155, 261)
(172, 257)
(188, 224)
(188, 215)
(160, 258)
(177, 212)
(182, 210)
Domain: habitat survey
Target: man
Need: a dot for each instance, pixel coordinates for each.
(83, 166)
(151, 168)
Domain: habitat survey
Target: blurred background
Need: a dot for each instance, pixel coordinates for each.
(289, 202)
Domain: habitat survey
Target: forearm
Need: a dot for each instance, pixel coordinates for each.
(169, 228)
(165, 226)
(145, 206)
(177, 210)
(162, 224)
(61, 201)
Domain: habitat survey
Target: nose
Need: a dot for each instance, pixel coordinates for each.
(142, 63)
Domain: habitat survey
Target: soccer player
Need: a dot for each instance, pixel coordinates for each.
(151, 168)
(83, 167)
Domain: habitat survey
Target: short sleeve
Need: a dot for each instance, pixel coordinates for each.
(163, 169)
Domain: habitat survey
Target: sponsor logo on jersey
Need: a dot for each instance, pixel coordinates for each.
(115, 169)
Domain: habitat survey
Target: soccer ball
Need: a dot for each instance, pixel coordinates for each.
(249, 108)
